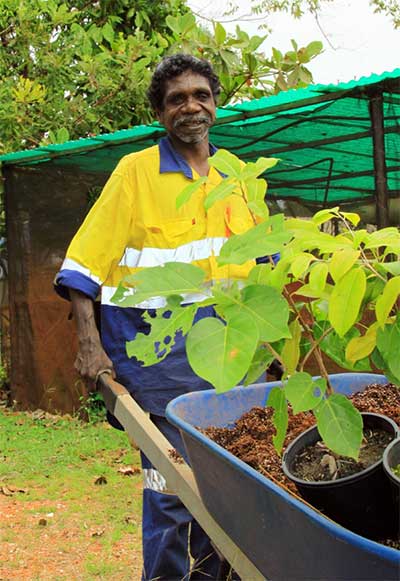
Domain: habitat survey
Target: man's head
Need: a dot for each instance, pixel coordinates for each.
(183, 93)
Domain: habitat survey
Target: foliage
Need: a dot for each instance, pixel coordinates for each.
(298, 7)
(329, 294)
(92, 408)
(82, 68)
(389, 7)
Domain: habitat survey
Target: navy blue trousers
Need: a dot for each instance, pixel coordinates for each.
(170, 534)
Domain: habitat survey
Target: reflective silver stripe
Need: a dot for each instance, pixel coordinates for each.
(70, 264)
(107, 292)
(153, 480)
(196, 250)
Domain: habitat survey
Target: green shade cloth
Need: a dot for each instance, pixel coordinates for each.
(322, 136)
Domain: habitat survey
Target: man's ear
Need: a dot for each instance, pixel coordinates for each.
(159, 115)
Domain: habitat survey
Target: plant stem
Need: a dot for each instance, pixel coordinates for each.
(317, 344)
(315, 349)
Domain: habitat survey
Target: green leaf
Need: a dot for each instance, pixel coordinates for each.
(261, 361)
(174, 24)
(256, 189)
(219, 33)
(221, 191)
(277, 401)
(314, 48)
(188, 22)
(300, 264)
(258, 241)
(277, 55)
(259, 274)
(299, 225)
(187, 192)
(335, 347)
(108, 32)
(351, 217)
(222, 354)
(304, 393)
(254, 169)
(340, 425)
(387, 342)
(155, 346)
(325, 215)
(387, 300)
(346, 299)
(227, 163)
(259, 209)
(263, 306)
(392, 267)
(291, 349)
(361, 347)
(318, 276)
(62, 135)
(173, 278)
(341, 262)
(383, 237)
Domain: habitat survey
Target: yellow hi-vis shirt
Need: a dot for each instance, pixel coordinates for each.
(135, 224)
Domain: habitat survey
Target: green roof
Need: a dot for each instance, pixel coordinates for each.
(322, 134)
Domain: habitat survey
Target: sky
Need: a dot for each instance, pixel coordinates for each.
(356, 41)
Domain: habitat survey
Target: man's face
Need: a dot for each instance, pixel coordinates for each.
(189, 107)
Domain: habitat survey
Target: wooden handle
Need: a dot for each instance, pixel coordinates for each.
(179, 476)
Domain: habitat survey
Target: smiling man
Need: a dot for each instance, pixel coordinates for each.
(134, 225)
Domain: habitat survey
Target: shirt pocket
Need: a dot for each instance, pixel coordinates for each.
(170, 233)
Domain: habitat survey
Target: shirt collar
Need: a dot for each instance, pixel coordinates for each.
(172, 161)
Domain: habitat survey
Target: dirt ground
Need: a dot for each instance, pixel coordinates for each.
(40, 543)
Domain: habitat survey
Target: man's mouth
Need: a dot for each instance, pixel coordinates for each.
(192, 122)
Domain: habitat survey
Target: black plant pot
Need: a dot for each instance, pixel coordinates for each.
(363, 502)
(391, 458)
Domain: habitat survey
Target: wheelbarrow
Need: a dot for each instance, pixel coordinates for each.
(262, 530)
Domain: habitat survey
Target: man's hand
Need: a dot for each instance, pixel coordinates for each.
(91, 359)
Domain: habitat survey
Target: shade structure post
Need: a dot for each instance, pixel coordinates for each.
(379, 154)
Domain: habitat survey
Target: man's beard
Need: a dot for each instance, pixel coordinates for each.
(192, 128)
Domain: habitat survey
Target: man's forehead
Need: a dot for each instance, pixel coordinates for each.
(187, 79)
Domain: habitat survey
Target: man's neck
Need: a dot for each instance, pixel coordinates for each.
(196, 154)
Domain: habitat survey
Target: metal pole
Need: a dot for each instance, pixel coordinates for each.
(378, 140)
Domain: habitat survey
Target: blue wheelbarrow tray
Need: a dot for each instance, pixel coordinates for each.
(285, 538)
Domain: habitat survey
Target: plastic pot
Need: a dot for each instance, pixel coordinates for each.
(362, 502)
(391, 458)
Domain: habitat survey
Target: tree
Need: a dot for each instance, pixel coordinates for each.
(298, 7)
(79, 69)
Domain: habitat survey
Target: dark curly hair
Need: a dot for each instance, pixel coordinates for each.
(173, 66)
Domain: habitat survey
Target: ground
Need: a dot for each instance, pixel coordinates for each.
(70, 500)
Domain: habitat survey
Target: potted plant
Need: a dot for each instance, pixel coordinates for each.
(391, 464)
(335, 295)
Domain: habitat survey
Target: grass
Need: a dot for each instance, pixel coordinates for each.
(62, 489)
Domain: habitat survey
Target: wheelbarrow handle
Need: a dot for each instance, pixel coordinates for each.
(110, 389)
(179, 476)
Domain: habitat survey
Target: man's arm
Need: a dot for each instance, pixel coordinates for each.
(91, 357)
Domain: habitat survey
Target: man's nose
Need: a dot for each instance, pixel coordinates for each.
(192, 105)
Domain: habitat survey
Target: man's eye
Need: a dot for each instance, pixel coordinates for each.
(176, 100)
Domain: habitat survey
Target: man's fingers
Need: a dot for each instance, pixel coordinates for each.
(107, 370)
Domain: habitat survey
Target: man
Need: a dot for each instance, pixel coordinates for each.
(134, 225)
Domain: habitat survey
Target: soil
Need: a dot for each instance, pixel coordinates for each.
(317, 463)
(251, 437)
